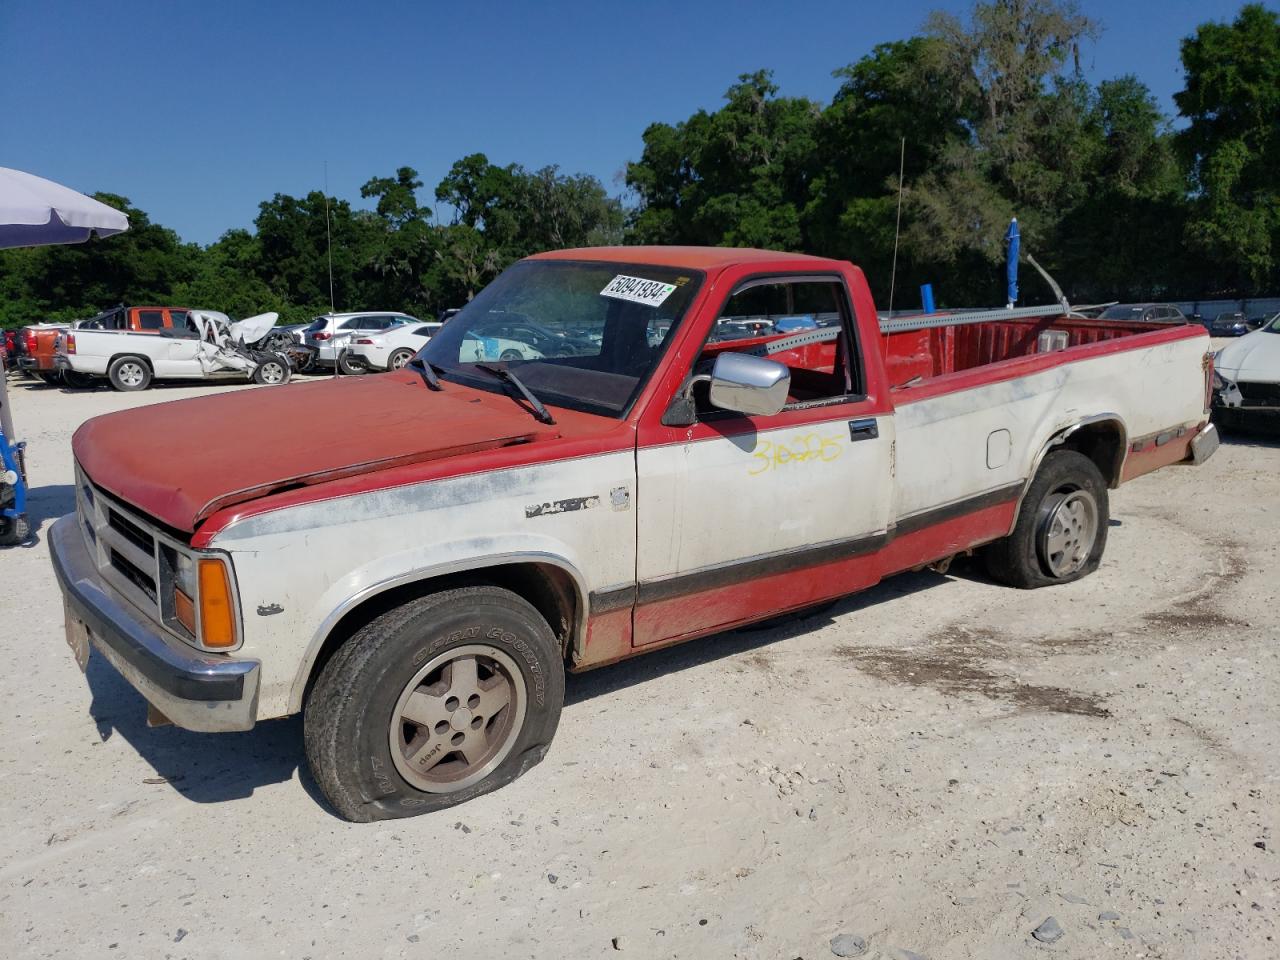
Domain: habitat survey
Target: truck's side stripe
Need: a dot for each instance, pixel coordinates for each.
(788, 561)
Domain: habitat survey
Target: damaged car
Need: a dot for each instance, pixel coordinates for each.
(209, 346)
(1246, 379)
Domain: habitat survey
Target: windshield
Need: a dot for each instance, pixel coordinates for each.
(581, 335)
(1274, 325)
(1121, 312)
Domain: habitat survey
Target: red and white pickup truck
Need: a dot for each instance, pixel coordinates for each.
(418, 573)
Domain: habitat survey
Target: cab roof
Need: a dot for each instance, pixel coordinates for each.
(696, 258)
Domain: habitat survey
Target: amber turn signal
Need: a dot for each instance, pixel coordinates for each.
(217, 615)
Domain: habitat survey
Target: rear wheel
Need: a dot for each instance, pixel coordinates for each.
(1062, 526)
(129, 374)
(443, 699)
(399, 358)
(51, 377)
(351, 366)
(77, 380)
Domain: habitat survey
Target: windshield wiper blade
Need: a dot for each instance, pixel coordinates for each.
(428, 371)
(506, 376)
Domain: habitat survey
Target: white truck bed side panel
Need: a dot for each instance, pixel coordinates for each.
(942, 452)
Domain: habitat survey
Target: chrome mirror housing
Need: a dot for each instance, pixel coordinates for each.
(751, 385)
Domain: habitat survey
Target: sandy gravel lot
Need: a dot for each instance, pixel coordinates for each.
(934, 769)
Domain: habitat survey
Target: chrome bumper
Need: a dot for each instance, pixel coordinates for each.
(197, 691)
(1204, 445)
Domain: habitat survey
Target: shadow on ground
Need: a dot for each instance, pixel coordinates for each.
(204, 768)
(46, 504)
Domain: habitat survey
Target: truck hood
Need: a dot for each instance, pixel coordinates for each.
(182, 461)
(1254, 357)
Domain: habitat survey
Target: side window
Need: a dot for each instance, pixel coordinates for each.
(766, 313)
(150, 319)
(354, 323)
(177, 319)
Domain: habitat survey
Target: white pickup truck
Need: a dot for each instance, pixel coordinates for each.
(417, 571)
(209, 346)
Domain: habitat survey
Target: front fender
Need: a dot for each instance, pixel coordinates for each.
(427, 562)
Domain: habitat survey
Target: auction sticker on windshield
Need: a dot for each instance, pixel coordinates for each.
(638, 290)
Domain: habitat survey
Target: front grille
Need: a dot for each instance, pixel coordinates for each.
(131, 531)
(134, 574)
(128, 554)
(1259, 393)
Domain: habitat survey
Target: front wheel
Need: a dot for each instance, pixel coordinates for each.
(1062, 527)
(443, 699)
(509, 355)
(272, 371)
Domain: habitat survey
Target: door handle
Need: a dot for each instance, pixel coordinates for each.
(865, 429)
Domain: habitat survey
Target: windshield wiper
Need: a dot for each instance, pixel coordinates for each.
(506, 376)
(428, 371)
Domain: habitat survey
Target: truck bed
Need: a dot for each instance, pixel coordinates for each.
(916, 355)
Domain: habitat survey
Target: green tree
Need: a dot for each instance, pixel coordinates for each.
(893, 94)
(294, 243)
(736, 177)
(1231, 146)
(65, 282)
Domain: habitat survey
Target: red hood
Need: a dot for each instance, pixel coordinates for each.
(182, 461)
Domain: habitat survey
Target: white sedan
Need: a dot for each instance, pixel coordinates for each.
(393, 349)
(1246, 378)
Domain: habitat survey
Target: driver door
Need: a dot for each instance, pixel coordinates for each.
(740, 517)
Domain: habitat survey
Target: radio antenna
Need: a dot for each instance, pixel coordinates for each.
(897, 227)
(328, 237)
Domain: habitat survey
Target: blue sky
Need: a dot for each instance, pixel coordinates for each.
(197, 111)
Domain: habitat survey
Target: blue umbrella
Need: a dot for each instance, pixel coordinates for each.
(1011, 267)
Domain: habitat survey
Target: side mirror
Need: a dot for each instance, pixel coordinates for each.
(751, 385)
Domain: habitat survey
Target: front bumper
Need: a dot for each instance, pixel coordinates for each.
(197, 691)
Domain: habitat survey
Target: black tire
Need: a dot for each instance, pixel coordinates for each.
(1020, 559)
(509, 355)
(275, 371)
(399, 358)
(76, 380)
(350, 366)
(14, 531)
(129, 373)
(347, 722)
(52, 377)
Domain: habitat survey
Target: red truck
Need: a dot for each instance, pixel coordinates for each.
(40, 340)
(416, 575)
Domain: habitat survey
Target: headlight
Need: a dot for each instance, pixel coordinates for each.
(184, 574)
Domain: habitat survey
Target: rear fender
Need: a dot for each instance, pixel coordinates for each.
(1111, 464)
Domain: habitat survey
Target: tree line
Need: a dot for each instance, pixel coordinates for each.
(930, 145)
